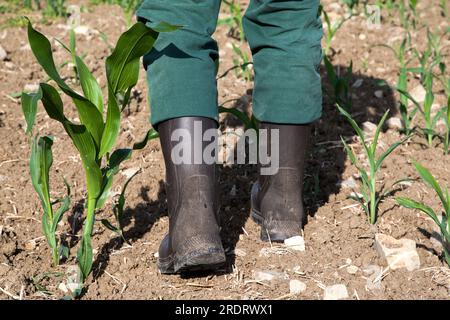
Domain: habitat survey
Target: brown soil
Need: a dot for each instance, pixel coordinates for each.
(335, 233)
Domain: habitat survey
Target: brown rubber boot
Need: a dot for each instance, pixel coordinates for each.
(277, 200)
(193, 242)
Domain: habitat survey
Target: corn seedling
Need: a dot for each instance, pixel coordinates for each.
(425, 109)
(129, 7)
(330, 30)
(369, 197)
(341, 85)
(443, 6)
(94, 137)
(447, 125)
(234, 22)
(40, 163)
(443, 220)
(242, 64)
(402, 83)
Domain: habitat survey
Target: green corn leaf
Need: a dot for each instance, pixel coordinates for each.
(40, 162)
(117, 157)
(151, 134)
(119, 207)
(88, 112)
(428, 177)
(389, 150)
(411, 204)
(52, 102)
(357, 129)
(330, 71)
(109, 226)
(65, 206)
(89, 84)
(373, 148)
(122, 71)
(85, 256)
(29, 108)
(414, 101)
(86, 147)
(238, 114)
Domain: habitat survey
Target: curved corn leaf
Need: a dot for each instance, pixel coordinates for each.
(357, 129)
(389, 150)
(117, 157)
(89, 84)
(85, 256)
(88, 112)
(29, 108)
(122, 72)
(428, 177)
(52, 102)
(86, 147)
(373, 147)
(151, 134)
(238, 114)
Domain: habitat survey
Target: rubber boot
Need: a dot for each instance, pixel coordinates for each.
(277, 200)
(193, 242)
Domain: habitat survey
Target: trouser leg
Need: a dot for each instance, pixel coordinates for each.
(285, 39)
(181, 69)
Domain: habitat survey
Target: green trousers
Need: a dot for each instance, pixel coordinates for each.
(285, 40)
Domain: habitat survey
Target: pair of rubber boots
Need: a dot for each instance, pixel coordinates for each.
(193, 242)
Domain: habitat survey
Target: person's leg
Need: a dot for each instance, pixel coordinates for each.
(181, 68)
(285, 39)
(183, 96)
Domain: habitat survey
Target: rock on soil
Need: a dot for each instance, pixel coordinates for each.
(335, 292)
(394, 123)
(268, 275)
(3, 54)
(369, 128)
(296, 243)
(296, 286)
(399, 254)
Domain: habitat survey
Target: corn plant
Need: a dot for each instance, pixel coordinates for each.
(447, 124)
(94, 137)
(331, 30)
(444, 196)
(129, 7)
(402, 82)
(443, 6)
(242, 64)
(425, 109)
(369, 197)
(340, 84)
(234, 22)
(40, 163)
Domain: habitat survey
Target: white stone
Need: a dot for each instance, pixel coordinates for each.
(358, 83)
(73, 282)
(268, 275)
(296, 286)
(378, 94)
(128, 173)
(352, 269)
(394, 123)
(349, 183)
(362, 36)
(31, 88)
(369, 127)
(418, 93)
(373, 277)
(3, 54)
(399, 254)
(296, 243)
(335, 292)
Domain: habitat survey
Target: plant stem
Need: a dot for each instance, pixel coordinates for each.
(373, 207)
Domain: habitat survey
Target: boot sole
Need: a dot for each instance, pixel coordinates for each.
(199, 260)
